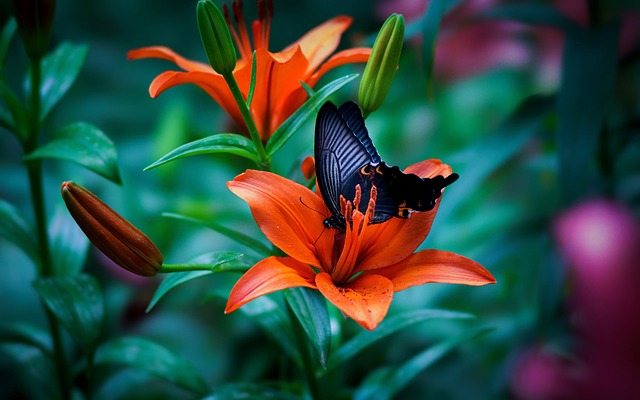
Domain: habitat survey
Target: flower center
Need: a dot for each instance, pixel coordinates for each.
(260, 27)
(348, 248)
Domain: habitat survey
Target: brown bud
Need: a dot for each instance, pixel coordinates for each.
(116, 237)
(34, 18)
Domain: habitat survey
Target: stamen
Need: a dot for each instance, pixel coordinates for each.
(357, 198)
(244, 46)
(234, 32)
(371, 207)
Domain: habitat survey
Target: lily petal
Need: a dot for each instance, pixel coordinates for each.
(321, 41)
(289, 214)
(267, 276)
(276, 78)
(357, 54)
(211, 83)
(166, 53)
(435, 266)
(398, 238)
(366, 300)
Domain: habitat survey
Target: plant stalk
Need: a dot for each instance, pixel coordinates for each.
(248, 120)
(307, 360)
(34, 168)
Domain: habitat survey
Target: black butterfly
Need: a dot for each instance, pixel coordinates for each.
(345, 157)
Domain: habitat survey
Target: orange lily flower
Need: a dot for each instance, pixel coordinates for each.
(359, 271)
(278, 92)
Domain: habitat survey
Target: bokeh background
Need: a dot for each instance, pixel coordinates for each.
(566, 263)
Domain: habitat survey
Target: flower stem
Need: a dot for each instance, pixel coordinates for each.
(307, 361)
(36, 185)
(169, 268)
(248, 120)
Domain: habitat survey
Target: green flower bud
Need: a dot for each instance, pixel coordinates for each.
(113, 235)
(382, 64)
(34, 18)
(216, 37)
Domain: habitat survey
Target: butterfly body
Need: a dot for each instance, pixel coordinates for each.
(346, 157)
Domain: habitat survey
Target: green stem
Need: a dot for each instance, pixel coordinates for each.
(248, 120)
(37, 195)
(307, 360)
(169, 268)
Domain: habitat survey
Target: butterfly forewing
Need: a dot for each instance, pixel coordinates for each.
(339, 153)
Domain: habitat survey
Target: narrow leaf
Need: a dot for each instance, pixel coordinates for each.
(18, 332)
(36, 370)
(386, 383)
(586, 90)
(145, 355)
(257, 391)
(231, 143)
(84, 144)
(297, 120)
(310, 308)
(59, 71)
(275, 324)
(68, 245)
(252, 83)
(530, 13)
(19, 123)
(77, 303)
(498, 148)
(15, 228)
(388, 326)
(5, 41)
(234, 235)
(214, 259)
(430, 29)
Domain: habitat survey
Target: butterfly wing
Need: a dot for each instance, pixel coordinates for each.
(339, 151)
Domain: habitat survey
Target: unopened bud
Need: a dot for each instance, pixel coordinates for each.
(308, 167)
(34, 18)
(382, 64)
(113, 235)
(216, 37)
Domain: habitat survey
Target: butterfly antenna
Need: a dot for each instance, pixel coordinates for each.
(311, 208)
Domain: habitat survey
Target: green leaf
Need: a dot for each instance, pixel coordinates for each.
(586, 91)
(36, 370)
(252, 83)
(145, 355)
(497, 149)
(275, 323)
(231, 143)
(310, 308)
(15, 228)
(18, 332)
(84, 144)
(5, 41)
(254, 391)
(59, 71)
(19, 122)
(529, 13)
(297, 120)
(68, 245)
(430, 29)
(387, 382)
(215, 259)
(388, 326)
(234, 235)
(77, 303)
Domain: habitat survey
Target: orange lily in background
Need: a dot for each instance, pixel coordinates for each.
(359, 271)
(278, 91)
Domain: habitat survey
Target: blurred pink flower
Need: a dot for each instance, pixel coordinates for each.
(540, 374)
(601, 243)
